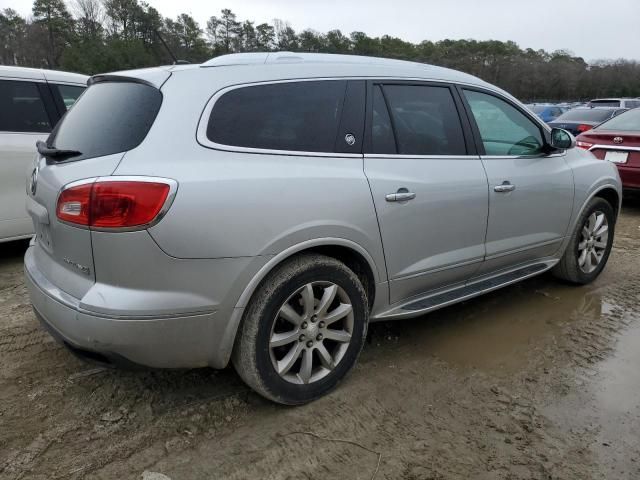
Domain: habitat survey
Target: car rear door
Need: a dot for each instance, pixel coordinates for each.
(530, 192)
(428, 185)
(27, 114)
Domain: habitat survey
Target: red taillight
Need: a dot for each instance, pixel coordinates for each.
(73, 204)
(585, 145)
(583, 128)
(112, 204)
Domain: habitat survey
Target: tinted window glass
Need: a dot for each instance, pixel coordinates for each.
(69, 94)
(633, 104)
(586, 115)
(503, 128)
(605, 103)
(296, 116)
(627, 121)
(382, 140)
(21, 108)
(425, 120)
(110, 117)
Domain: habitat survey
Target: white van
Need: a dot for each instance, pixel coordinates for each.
(31, 103)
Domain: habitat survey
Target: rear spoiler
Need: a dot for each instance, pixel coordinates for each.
(154, 77)
(117, 78)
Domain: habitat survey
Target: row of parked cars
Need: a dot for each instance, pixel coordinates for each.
(608, 127)
(263, 208)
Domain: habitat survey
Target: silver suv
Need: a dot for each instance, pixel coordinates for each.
(264, 208)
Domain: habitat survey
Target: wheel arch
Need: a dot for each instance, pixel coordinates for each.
(350, 253)
(347, 251)
(611, 195)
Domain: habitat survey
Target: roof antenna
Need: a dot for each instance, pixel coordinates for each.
(173, 57)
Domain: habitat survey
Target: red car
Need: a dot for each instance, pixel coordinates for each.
(618, 141)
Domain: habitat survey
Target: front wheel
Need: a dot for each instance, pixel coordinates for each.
(303, 330)
(590, 244)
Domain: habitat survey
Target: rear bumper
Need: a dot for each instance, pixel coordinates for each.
(630, 177)
(176, 341)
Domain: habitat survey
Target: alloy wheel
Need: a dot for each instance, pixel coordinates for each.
(593, 242)
(311, 332)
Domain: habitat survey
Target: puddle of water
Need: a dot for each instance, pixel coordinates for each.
(499, 331)
(606, 411)
(616, 407)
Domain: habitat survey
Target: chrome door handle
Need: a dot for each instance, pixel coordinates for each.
(400, 196)
(505, 187)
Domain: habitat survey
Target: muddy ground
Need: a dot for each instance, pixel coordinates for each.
(536, 381)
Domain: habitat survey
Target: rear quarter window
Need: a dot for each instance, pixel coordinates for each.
(69, 94)
(110, 117)
(291, 116)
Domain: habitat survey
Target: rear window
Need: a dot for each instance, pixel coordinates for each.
(604, 103)
(590, 115)
(111, 117)
(22, 108)
(628, 121)
(294, 116)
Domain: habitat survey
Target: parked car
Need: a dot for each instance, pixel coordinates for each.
(580, 120)
(31, 103)
(618, 141)
(546, 112)
(615, 102)
(263, 208)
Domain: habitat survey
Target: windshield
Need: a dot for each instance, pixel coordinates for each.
(586, 115)
(627, 121)
(110, 117)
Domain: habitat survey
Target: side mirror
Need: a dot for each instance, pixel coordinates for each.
(561, 139)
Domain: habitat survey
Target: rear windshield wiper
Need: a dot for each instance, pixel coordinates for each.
(55, 153)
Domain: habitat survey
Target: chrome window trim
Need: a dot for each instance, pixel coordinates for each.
(201, 131)
(417, 157)
(507, 157)
(614, 147)
(173, 189)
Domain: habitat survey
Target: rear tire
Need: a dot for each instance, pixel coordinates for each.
(303, 330)
(590, 244)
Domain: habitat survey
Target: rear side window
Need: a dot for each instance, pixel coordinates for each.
(425, 120)
(294, 116)
(69, 94)
(111, 117)
(22, 108)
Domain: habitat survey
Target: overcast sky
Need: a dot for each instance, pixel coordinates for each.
(591, 29)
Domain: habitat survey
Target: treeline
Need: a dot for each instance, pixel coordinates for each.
(92, 36)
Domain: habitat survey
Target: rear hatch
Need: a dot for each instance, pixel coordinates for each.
(110, 118)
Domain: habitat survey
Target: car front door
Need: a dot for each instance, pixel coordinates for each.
(26, 116)
(428, 185)
(530, 191)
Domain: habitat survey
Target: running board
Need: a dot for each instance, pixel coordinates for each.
(417, 307)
